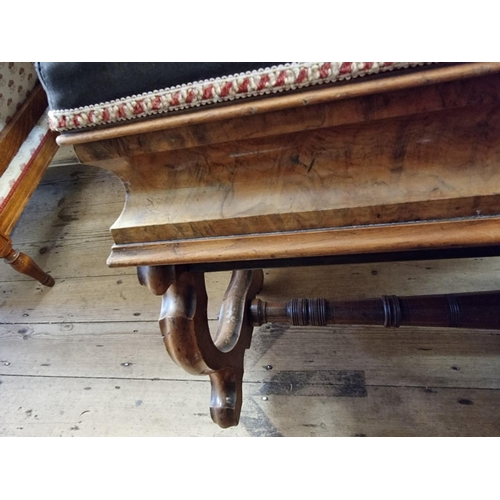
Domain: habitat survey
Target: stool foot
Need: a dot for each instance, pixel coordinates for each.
(184, 325)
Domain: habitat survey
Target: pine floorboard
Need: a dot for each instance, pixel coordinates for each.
(86, 358)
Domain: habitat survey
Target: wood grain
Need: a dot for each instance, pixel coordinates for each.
(312, 117)
(11, 139)
(407, 169)
(432, 167)
(418, 381)
(478, 310)
(17, 130)
(37, 407)
(24, 264)
(188, 340)
(27, 186)
(446, 234)
(373, 168)
(251, 108)
(336, 282)
(410, 357)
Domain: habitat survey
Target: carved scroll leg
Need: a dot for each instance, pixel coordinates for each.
(227, 396)
(184, 324)
(26, 265)
(233, 337)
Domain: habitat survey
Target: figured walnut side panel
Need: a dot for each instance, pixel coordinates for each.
(421, 167)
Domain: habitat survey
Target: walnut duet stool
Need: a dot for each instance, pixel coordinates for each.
(320, 163)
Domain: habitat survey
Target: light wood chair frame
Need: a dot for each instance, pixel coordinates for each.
(11, 139)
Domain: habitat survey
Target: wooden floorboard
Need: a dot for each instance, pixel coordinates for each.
(39, 406)
(410, 357)
(63, 351)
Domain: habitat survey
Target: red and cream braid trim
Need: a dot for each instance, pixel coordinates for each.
(255, 83)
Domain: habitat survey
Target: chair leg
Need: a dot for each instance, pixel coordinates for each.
(26, 265)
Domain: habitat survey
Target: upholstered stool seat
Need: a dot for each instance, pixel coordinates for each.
(83, 95)
(242, 166)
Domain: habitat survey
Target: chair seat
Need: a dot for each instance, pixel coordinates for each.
(27, 146)
(23, 160)
(83, 95)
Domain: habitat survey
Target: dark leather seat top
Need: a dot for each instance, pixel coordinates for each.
(83, 95)
(73, 85)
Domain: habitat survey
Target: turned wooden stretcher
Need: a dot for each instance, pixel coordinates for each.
(400, 166)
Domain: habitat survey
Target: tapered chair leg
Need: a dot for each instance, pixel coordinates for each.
(26, 265)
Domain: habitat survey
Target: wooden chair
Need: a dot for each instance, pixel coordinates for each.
(27, 147)
(388, 166)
